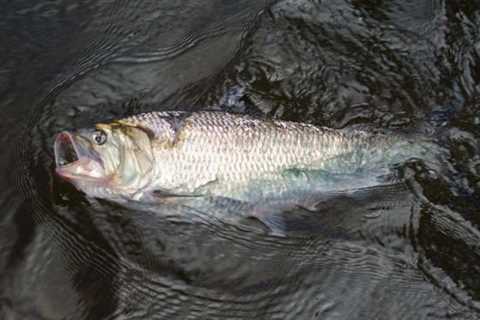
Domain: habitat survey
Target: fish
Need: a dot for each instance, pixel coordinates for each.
(189, 156)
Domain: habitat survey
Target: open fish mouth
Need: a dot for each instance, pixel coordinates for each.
(75, 159)
(66, 151)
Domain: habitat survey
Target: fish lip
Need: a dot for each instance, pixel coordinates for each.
(66, 173)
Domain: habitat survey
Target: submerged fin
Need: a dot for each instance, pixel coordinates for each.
(319, 211)
(269, 213)
(321, 201)
(272, 219)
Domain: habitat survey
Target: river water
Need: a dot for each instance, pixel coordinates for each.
(409, 252)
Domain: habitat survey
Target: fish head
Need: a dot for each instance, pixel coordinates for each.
(110, 160)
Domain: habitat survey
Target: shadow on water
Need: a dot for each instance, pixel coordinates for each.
(411, 253)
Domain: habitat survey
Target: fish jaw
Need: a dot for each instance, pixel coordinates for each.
(75, 161)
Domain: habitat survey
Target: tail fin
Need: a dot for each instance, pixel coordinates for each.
(435, 122)
(430, 136)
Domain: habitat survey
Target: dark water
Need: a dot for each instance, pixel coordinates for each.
(408, 253)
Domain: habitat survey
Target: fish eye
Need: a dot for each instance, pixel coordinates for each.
(99, 137)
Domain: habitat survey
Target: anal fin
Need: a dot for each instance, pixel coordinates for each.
(272, 219)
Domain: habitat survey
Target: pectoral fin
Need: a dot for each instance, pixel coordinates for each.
(163, 197)
(162, 194)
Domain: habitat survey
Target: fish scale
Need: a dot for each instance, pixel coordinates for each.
(220, 153)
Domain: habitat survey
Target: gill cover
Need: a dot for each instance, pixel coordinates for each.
(136, 157)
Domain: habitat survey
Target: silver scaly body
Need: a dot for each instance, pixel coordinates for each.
(221, 154)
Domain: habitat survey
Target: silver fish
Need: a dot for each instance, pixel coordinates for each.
(162, 155)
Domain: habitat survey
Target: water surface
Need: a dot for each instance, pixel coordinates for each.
(408, 252)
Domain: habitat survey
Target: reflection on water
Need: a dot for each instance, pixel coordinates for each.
(407, 66)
